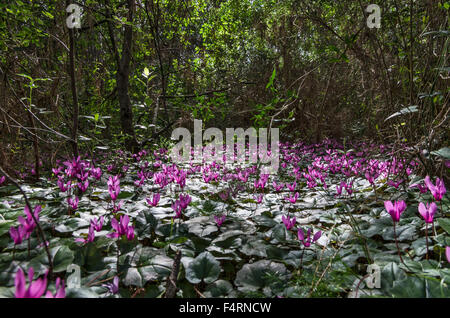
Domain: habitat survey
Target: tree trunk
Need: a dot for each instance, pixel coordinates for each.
(126, 111)
(73, 88)
(122, 77)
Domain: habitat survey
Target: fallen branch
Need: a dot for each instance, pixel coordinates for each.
(171, 286)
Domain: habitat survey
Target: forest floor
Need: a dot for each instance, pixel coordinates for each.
(127, 216)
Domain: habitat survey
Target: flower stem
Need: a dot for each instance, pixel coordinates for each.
(118, 254)
(301, 261)
(426, 237)
(398, 248)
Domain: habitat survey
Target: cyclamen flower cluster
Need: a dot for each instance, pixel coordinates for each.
(349, 163)
(292, 186)
(422, 188)
(343, 185)
(429, 210)
(143, 175)
(305, 239)
(398, 207)
(76, 174)
(219, 219)
(395, 184)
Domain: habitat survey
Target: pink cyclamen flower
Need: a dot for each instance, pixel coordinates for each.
(396, 209)
(176, 207)
(97, 224)
(113, 287)
(2, 179)
(57, 171)
(117, 206)
(306, 240)
(122, 228)
(219, 219)
(395, 184)
(422, 188)
(17, 234)
(73, 203)
(185, 200)
(114, 187)
(90, 238)
(155, 199)
(339, 188)
(35, 289)
(288, 222)
(437, 190)
(96, 173)
(29, 223)
(60, 290)
(224, 195)
(259, 198)
(140, 182)
(348, 187)
(291, 198)
(292, 186)
(278, 187)
(83, 186)
(63, 187)
(427, 211)
(260, 183)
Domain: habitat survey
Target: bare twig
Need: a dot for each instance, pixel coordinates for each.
(171, 286)
(27, 202)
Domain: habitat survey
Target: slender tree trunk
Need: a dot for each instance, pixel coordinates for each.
(154, 24)
(122, 79)
(122, 75)
(73, 88)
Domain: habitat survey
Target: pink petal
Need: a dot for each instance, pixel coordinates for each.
(422, 210)
(447, 253)
(20, 284)
(388, 206)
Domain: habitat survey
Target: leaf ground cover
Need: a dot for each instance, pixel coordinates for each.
(113, 225)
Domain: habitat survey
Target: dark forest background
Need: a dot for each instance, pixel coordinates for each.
(136, 70)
